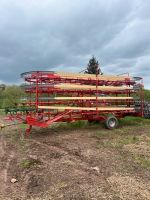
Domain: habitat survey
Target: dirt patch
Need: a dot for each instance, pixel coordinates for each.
(141, 149)
(128, 187)
(71, 164)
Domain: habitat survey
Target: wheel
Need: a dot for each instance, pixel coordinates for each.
(111, 122)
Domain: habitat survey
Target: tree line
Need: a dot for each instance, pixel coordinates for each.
(10, 96)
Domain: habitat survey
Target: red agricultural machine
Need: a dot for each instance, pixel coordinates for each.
(66, 97)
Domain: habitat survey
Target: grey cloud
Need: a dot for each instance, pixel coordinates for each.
(63, 34)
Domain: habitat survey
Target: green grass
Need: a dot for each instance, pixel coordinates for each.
(2, 112)
(143, 161)
(119, 142)
(126, 125)
(26, 164)
(71, 125)
(120, 131)
(131, 121)
(123, 123)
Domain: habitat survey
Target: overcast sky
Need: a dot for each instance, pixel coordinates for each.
(62, 35)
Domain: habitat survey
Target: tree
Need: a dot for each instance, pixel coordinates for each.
(2, 87)
(93, 67)
(147, 95)
(12, 95)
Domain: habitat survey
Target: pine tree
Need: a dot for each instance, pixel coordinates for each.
(93, 67)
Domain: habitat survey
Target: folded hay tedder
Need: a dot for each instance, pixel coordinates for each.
(66, 97)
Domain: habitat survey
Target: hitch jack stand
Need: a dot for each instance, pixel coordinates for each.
(28, 130)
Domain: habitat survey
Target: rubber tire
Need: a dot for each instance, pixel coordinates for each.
(111, 122)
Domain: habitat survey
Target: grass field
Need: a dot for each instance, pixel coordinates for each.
(77, 161)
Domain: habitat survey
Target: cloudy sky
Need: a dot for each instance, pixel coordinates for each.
(63, 34)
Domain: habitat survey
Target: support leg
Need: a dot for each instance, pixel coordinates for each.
(28, 130)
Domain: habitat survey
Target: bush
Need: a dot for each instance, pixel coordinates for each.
(11, 96)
